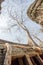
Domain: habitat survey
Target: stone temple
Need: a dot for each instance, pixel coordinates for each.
(19, 54)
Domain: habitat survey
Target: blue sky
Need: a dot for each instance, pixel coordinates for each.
(15, 35)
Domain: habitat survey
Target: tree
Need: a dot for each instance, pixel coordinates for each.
(21, 24)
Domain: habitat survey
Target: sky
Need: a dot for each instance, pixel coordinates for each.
(6, 21)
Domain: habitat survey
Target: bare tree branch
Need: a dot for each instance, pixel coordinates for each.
(20, 23)
(37, 38)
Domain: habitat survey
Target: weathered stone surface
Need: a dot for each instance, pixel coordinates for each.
(2, 55)
(19, 53)
(35, 12)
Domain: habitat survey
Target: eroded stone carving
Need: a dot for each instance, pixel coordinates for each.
(35, 11)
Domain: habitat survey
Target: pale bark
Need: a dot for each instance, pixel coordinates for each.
(8, 56)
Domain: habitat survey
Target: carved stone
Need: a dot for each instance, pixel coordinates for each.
(35, 11)
(19, 54)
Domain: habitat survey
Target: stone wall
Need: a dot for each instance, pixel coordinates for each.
(35, 11)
